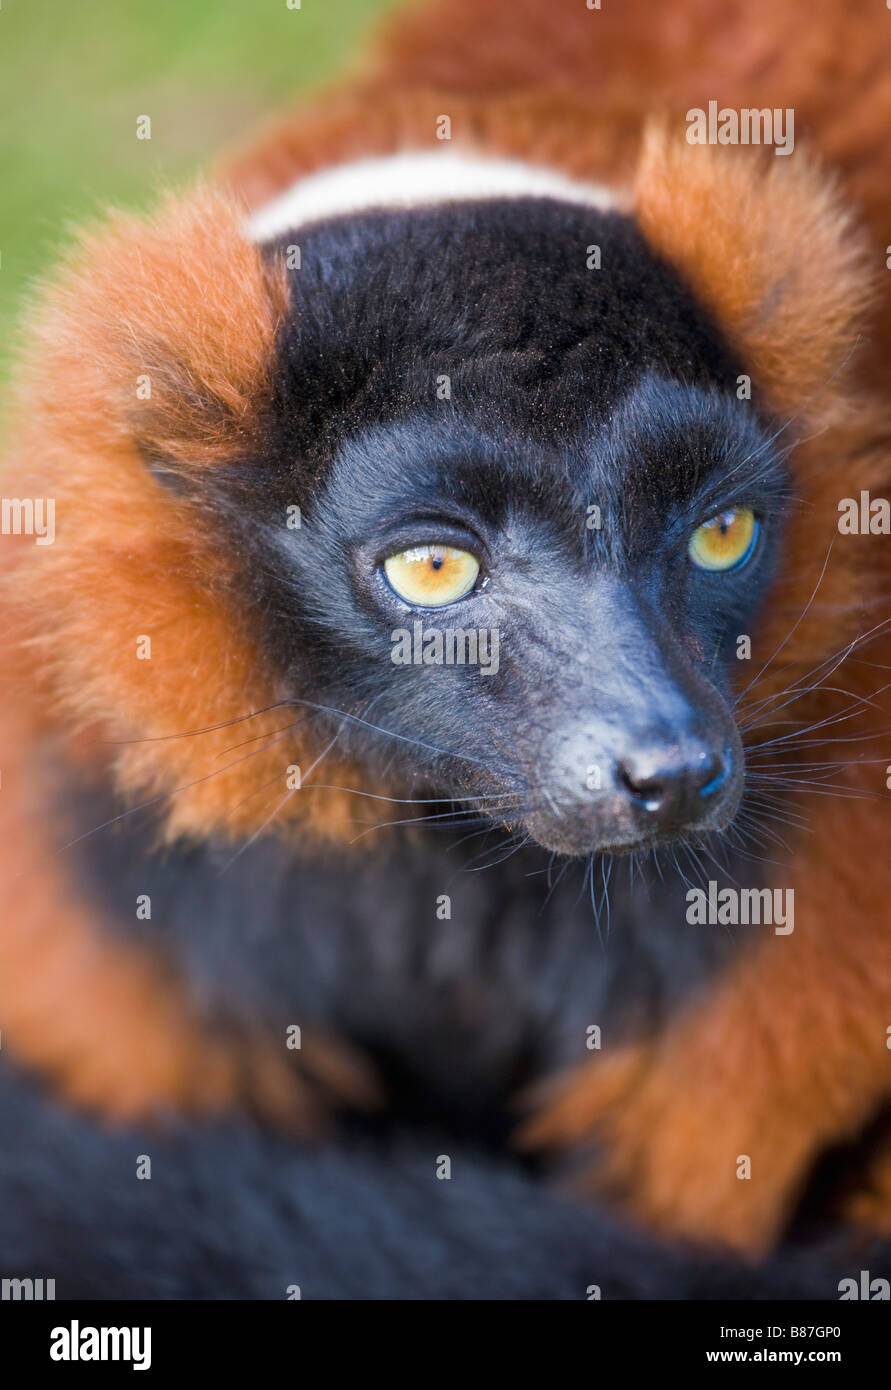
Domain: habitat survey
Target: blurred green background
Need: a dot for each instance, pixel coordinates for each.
(75, 74)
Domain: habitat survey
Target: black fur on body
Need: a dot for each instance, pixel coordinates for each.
(457, 1016)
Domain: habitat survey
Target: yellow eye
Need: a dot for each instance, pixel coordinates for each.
(430, 576)
(725, 542)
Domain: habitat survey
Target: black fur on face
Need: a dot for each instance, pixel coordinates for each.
(604, 721)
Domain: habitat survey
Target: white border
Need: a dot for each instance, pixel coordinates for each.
(398, 181)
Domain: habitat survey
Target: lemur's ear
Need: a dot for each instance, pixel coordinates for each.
(765, 243)
(165, 328)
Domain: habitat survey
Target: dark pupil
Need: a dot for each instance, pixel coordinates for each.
(436, 562)
(726, 522)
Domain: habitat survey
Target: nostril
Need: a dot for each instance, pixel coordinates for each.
(717, 781)
(715, 772)
(649, 791)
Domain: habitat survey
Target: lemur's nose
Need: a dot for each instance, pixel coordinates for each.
(669, 784)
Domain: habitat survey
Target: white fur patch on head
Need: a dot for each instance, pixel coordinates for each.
(414, 180)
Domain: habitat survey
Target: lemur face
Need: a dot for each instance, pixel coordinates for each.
(536, 518)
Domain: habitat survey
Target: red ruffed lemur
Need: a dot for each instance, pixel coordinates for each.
(564, 966)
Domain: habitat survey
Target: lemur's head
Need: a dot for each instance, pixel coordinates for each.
(471, 492)
(535, 514)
